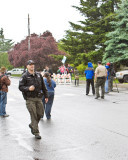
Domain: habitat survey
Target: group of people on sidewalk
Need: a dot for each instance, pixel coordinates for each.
(101, 75)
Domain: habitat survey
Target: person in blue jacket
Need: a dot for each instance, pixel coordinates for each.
(89, 73)
(50, 85)
(107, 79)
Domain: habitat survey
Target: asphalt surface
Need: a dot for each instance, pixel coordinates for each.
(81, 128)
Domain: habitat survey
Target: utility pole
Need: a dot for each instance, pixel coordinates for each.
(28, 33)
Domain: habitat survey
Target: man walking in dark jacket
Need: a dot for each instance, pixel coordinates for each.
(89, 73)
(32, 86)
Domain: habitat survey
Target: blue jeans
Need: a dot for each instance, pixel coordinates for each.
(106, 86)
(3, 102)
(48, 105)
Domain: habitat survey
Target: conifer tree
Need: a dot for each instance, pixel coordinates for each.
(5, 44)
(117, 44)
(87, 38)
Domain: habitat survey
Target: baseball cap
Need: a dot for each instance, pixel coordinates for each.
(108, 64)
(30, 62)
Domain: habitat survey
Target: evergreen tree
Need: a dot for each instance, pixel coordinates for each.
(1, 33)
(88, 36)
(5, 44)
(117, 45)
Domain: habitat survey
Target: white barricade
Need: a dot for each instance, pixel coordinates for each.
(62, 79)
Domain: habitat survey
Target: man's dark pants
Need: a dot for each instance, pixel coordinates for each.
(100, 82)
(77, 82)
(88, 82)
(36, 110)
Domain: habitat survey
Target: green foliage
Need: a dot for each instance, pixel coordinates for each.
(84, 58)
(5, 44)
(85, 42)
(81, 68)
(94, 66)
(117, 44)
(16, 75)
(1, 33)
(4, 61)
(72, 65)
(56, 57)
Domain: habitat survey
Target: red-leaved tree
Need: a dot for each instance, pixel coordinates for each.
(41, 49)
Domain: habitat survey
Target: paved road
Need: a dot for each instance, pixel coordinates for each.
(81, 127)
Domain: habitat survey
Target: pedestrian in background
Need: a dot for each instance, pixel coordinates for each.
(32, 86)
(107, 78)
(100, 78)
(89, 73)
(50, 85)
(111, 77)
(4, 83)
(70, 70)
(47, 69)
(76, 75)
(62, 69)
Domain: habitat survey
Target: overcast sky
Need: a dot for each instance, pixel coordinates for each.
(52, 15)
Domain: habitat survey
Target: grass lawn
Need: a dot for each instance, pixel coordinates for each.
(16, 75)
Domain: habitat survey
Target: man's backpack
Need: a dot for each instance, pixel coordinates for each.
(0, 82)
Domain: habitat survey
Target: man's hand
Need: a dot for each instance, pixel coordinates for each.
(31, 88)
(95, 78)
(46, 100)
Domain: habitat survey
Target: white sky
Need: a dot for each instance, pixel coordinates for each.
(52, 15)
